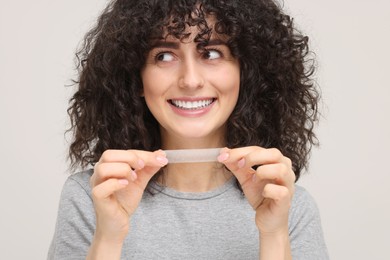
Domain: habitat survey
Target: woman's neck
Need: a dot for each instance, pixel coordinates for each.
(195, 177)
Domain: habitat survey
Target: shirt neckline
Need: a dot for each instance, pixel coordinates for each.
(158, 188)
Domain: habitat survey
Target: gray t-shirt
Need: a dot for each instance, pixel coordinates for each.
(169, 224)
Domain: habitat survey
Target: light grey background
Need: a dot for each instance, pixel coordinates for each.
(349, 175)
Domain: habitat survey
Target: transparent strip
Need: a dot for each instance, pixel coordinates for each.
(192, 155)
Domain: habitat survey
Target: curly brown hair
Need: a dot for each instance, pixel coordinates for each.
(278, 100)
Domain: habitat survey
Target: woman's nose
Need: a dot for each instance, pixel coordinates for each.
(191, 75)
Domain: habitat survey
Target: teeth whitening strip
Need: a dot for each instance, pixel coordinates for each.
(192, 155)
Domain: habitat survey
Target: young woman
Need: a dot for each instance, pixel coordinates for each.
(160, 74)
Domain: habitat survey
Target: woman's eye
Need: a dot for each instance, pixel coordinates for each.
(212, 54)
(164, 56)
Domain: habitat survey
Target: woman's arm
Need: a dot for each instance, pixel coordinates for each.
(101, 249)
(118, 182)
(275, 246)
(267, 180)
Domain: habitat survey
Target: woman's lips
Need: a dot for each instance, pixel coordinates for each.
(191, 107)
(191, 104)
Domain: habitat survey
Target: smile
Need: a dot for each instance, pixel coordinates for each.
(191, 105)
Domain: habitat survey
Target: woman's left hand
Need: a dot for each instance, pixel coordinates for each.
(269, 188)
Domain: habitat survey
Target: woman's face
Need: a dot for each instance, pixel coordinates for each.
(191, 92)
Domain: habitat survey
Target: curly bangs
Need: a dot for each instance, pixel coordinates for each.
(277, 105)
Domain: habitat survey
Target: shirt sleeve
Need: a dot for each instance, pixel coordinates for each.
(306, 235)
(75, 221)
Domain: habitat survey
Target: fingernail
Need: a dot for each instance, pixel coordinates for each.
(223, 157)
(241, 163)
(141, 163)
(123, 181)
(162, 160)
(133, 175)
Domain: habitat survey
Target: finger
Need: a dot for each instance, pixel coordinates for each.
(279, 173)
(124, 164)
(153, 163)
(135, 158)
(280, 195)
(153, 159)
(105, 189)
(122, 156)
(104, 171)
(231, 158)
(263, 156)
(244, 161)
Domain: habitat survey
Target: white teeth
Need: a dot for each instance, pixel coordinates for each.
(192, 105)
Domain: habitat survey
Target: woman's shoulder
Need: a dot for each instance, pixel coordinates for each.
(78, 181)
(306, 234)
(302, 196)
(304, 209)
(303, 206)
(82, 177)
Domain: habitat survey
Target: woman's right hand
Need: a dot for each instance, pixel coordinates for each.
(118, 183)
